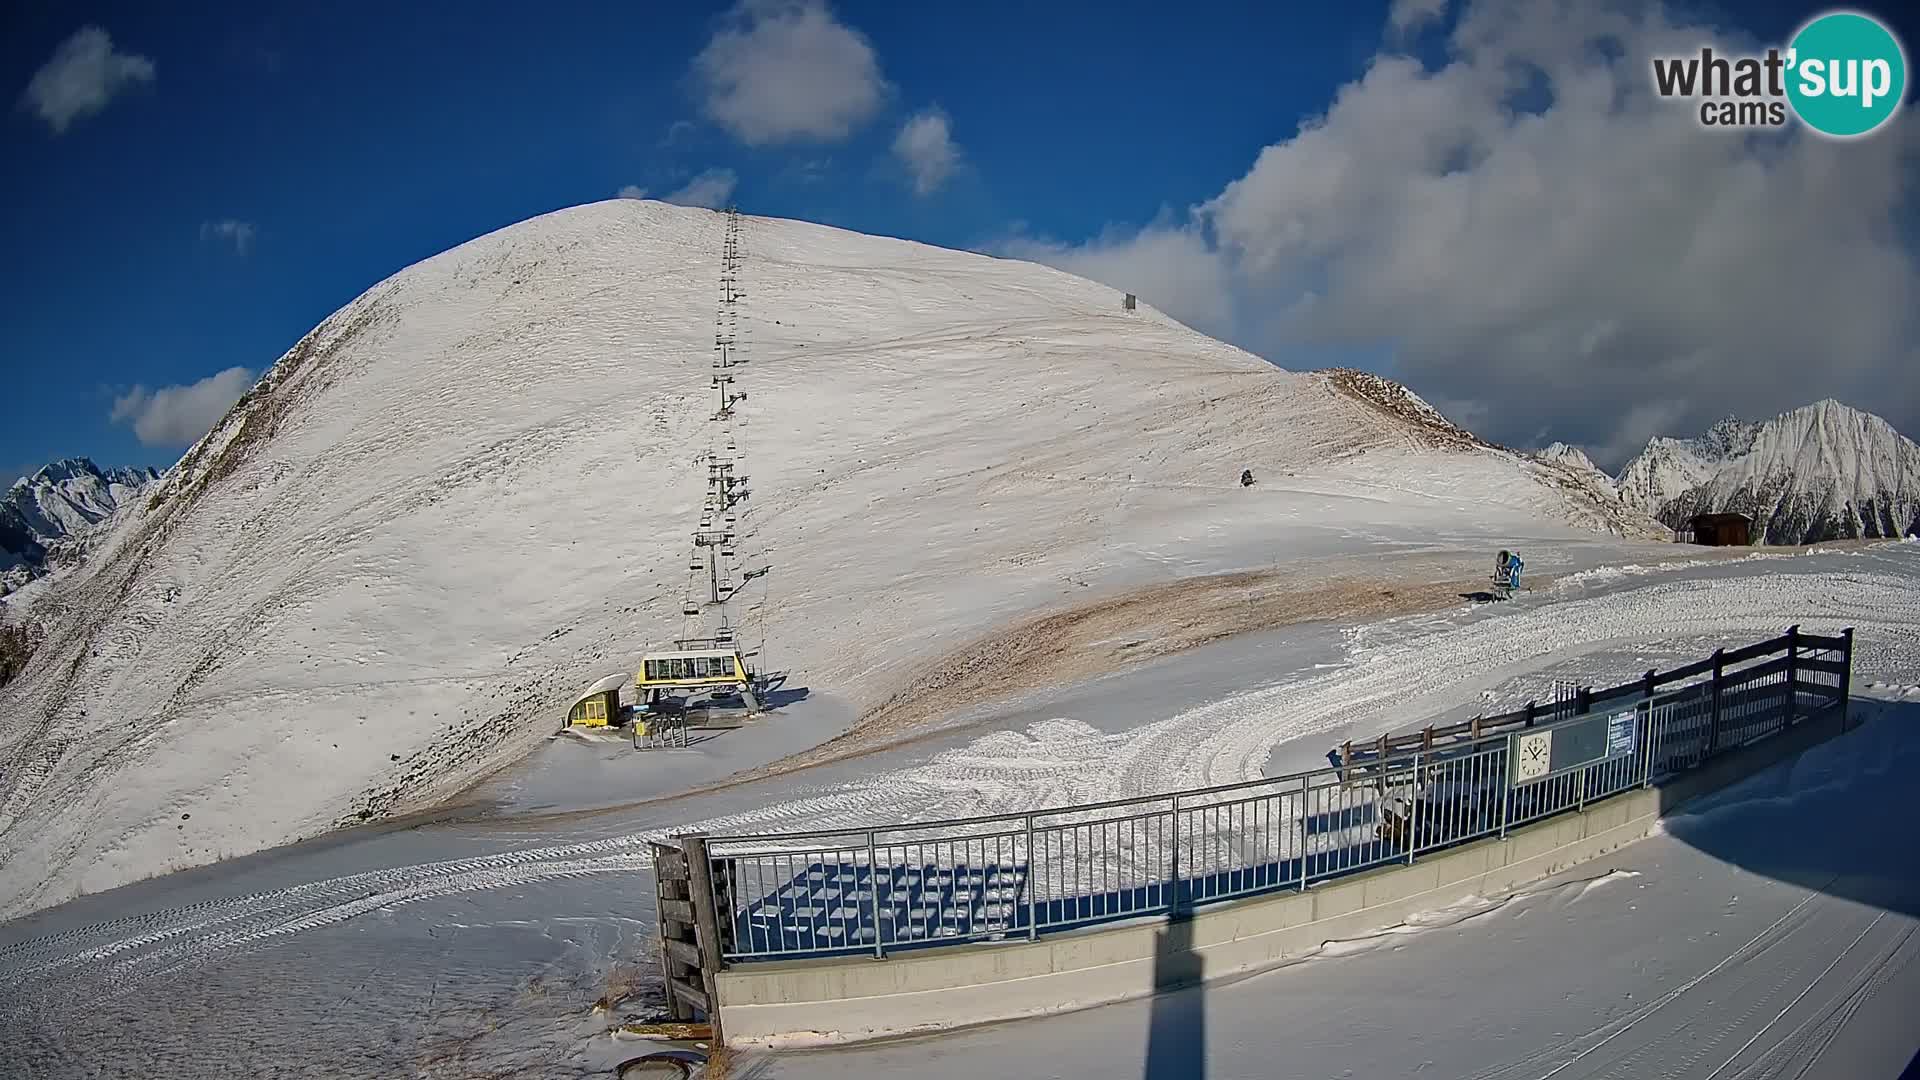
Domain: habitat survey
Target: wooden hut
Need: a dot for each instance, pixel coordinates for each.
(1722, 530)
(598, 705)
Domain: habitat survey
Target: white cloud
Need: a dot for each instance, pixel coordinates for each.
(1562, 266)
(83, 75)
(782, 70)
(176, 416)
(1407, 15)
(710, 189)
(925, 145)
(238, 233)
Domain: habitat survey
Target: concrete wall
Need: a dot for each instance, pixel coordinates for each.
(852, 999)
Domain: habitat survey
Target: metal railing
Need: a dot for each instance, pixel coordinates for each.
(1017, 876)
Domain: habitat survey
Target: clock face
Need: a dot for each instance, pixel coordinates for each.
(1534, 753)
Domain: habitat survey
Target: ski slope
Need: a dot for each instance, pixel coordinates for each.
(466, 495)
(482, 946)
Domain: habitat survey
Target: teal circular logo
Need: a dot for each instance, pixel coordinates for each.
(1846, 74)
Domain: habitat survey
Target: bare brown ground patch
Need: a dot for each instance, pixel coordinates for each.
(1122, 629)
(1111, 633)
(1130, 628)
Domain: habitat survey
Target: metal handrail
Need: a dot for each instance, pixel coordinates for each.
(1393, 758)
(1287, 832)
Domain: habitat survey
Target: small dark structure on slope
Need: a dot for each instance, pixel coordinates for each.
(1722, 530)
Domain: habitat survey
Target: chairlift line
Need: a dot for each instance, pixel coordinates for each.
(714, 553)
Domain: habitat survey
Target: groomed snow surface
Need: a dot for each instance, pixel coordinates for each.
(1770, 926)
(1770, 932)
(467, 494)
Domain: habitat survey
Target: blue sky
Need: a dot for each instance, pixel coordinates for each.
(245, 172)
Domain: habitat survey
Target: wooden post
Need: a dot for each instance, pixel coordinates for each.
(1532, 706)
(1793, 674)
(1846, 677)
(1713, 720)
(706, 925)
(678, 933)
(1650, 681)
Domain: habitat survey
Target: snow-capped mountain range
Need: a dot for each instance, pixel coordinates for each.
(1825, 471)
(57, 507)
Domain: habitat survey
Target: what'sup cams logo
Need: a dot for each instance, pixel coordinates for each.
(1844, 74)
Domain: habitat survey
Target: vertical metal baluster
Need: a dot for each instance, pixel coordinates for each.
(1506, 788)
(873, 898)
(1173, 900)
(1033, 909)
(1413, 811)
(1306, 812)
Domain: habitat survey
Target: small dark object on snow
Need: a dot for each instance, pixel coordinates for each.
(1246, 477)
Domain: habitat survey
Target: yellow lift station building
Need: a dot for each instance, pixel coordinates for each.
(692, 670)
(598, 705)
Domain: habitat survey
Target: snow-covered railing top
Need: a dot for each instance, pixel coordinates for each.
(1721, 664)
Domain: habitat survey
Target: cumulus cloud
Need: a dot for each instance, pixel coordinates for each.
(925, 146)
(176, 416)
(1535, 235)
(782, 70)
(710, 189)
(84, 74)
(237, 233)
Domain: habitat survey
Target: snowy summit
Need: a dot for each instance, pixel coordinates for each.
(466, 494)
(1821, 472)
(58, 503)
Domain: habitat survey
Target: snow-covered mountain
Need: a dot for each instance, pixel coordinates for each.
(59, 504)
(1825, 471)
(1571, 456)
(1668, 468)
(468, 493)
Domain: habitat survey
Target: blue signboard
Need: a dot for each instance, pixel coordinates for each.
(1622, 729)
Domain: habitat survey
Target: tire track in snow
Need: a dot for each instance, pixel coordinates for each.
(1053, 762)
